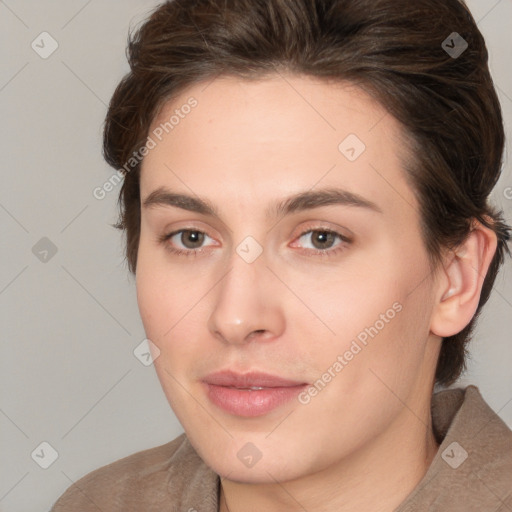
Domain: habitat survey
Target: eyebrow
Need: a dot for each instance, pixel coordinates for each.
(298, 202)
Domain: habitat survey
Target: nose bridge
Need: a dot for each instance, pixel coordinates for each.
(243, 302)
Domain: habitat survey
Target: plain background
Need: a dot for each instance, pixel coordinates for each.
(69, 376)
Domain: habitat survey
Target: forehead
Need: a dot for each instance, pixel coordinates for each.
(270, 135)
(252, 103)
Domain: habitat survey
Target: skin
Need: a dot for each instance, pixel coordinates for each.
(365, 440)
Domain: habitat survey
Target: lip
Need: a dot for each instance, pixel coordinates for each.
(229, 378)
(231, 392)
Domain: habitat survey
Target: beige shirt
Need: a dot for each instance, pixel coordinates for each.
(471, 472)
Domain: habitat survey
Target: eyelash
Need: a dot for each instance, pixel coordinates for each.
(327, 253)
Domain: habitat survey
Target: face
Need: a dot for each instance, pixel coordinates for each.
(282, 275)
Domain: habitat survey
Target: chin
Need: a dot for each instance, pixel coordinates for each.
(264, 471)
(253, 476)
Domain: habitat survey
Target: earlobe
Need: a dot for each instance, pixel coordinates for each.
(460, 282)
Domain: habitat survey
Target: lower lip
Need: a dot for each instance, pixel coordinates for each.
(251, 403)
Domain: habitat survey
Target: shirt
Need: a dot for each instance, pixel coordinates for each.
(471, 471)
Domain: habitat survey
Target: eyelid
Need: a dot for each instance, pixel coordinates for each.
(330, 252)
(343, 232)
(198, 226)
(166, 236)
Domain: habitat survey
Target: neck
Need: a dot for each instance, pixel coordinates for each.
(378, 478)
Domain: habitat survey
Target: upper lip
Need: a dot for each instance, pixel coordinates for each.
(229, 378)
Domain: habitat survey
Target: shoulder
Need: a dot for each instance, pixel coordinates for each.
(472, 470)
(488, 437)
(156, 478)
(481, 442)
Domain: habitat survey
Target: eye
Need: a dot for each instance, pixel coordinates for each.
(184, 241)
(322, 241)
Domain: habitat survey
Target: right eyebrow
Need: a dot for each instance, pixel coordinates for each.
(164, 197)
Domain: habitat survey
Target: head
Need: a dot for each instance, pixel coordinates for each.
(243, 104)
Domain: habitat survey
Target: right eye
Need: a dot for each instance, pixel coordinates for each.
(190, 240)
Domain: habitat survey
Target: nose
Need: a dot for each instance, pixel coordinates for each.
(246, 306)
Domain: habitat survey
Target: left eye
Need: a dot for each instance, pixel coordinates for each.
(321, 239)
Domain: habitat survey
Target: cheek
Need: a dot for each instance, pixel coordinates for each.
(165, 313)
(350, 299)
(170, 303)
(375, 311)
(159, 297)
(162, 291)
(149, 299)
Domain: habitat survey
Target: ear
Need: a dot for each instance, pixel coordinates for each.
(460, 281)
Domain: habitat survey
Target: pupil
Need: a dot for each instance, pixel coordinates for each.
(194, 237)
(324, 236)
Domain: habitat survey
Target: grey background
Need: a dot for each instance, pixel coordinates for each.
(70, 325)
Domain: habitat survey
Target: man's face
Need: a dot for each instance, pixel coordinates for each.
(334, 297)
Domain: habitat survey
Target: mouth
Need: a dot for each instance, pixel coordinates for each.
(250, 394)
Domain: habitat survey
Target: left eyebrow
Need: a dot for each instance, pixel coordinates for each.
(298, 202)
(317, 198)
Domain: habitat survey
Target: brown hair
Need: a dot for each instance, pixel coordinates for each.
(394, 49)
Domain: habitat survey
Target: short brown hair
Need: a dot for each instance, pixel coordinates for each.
(393, 49)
